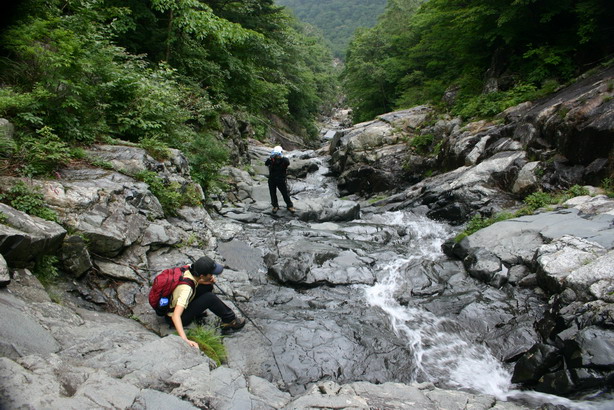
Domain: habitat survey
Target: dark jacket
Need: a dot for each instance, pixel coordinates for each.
(277, 167)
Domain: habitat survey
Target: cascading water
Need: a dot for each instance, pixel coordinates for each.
(440, 355)
(443, 348)
(442, 352)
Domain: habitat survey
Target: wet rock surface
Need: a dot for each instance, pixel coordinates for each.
(351, 301)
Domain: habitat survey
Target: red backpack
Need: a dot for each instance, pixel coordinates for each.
(163, 286)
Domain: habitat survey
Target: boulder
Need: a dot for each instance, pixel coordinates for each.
(558, 259)
(5, 275)
(75, 256)
(20, 333)
(24, 237)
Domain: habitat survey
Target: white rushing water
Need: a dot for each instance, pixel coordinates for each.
(441, 352)
(440, 356)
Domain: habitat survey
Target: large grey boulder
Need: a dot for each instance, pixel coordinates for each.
(455, 195)
(20, 333)
(24, 237)
(311, 264)
(75, 256)
(564, 255)
(365, 396)
(369, 156)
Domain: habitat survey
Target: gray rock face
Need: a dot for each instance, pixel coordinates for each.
(570, 252)
(567, 136)
(369, 156)
(5, 276)
(303, 279)
(21, 334)
(101, 360)
(22, 237)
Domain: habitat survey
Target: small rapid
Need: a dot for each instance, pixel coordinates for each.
(426, 318)
(443, 352)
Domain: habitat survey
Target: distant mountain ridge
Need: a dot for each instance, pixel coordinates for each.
(338, 19)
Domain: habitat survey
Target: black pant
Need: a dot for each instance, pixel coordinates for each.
(274, 185)
(203, 300)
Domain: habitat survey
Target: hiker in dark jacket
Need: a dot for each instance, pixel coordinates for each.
(188, 304)
(278, 165)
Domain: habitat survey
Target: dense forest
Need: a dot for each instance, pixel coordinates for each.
(338, 19)
(159, 73)
(474, 58)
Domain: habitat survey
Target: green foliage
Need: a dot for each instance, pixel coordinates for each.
(249, 55)
(488, 105)
(338, 19)
(156, 148)
(69, 76)
(210, 342)
(209, 155)
(538, 200)
(3, 218)
(420, 49)
(374, 66)
(45, 269)
(167, 192)
(422, 142)
(157, 73)
(577, 190)
(479, 222)
(608, 185)
(29, 200)
(43, 153)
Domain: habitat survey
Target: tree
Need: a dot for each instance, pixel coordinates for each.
(526, 44)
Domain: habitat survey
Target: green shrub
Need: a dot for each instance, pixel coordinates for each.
(209, 341)
(166, 192)
(479, 222)
(45, 269)
(422, 142)
(207, 155)
(608, 186)
(29, 200)
(171, 195)
(156, 148)
(491, 104)
(538, 200)
(541, 199)
(44, 153)
(3, 218)
(577, 190)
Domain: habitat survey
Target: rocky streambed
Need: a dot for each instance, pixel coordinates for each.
(374, 297)
(360, 300)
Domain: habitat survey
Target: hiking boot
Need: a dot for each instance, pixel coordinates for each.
(231, 327)
(291, 209)
(275, 209)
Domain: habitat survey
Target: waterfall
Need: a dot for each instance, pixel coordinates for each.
(442, 353)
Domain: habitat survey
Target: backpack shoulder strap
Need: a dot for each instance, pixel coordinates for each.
(186, 281)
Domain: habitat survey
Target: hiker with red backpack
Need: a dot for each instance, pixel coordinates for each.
(183, 294)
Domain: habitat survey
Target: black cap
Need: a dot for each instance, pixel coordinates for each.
(205, 266)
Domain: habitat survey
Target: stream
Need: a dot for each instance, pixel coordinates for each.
(370, 299)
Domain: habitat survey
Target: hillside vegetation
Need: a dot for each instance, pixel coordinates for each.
(337, 19)
(157, 73)
(482, 56)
